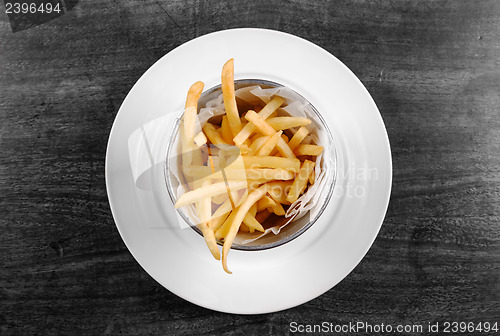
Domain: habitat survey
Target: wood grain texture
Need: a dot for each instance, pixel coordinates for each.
(432, 67)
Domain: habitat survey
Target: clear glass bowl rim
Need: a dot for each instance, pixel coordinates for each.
(244, 83)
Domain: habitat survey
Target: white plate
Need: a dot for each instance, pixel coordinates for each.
(262, 281)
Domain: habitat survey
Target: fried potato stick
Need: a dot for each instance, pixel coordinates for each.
(240, 174)
(279, 191)
(312, 150)
(204, 210)
(213, 135)
(218, 221)
(200, 139)
(300, 182)
(209, 236)
(282, 123)
(249, 128)
(238, 219)
(292, 165)
(227, 79)
(223, 230)
(226, 131)
(263, 127)
(312, 177)
(265, 202)
(227, 206)
(257, 145)
(298, 137)
(269, 145)
(252, 223)
(278, 209)
(208, 191)
(189, 122)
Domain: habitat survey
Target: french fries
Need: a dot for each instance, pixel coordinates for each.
(300, 181)
(292, 165)
(257, 145)
(240, 174)
(227, 78)
(205, 212)
(249, 128)
(280, 191)
(213, 135)
(241, 167)
(238, 219)
(263, 127)
(308, 150)
(200, 139)
(189, 122)
(265, 202)
(282, 123)
(226, 131)
(209, 191)
(298, 137)
(268, 146)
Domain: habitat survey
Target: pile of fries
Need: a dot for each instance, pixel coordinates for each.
(242, 166)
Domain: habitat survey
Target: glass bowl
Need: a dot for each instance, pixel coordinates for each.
(294, 228)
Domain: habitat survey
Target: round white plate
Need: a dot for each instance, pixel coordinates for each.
(262, 281)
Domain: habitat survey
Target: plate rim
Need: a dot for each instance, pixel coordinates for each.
(114, 207)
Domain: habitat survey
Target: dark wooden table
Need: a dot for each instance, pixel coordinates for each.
(433, 68)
